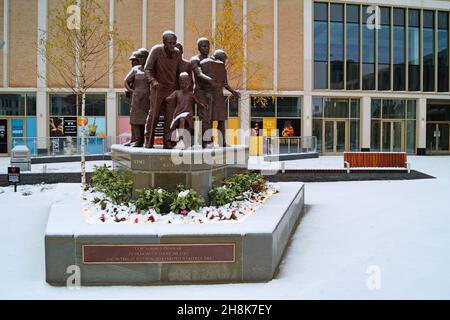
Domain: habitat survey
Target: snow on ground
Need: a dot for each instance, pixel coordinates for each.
(402, 227)
(55, 167)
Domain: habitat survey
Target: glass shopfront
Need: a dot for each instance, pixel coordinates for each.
(336, 124)
(438, 127)
(393, 126)
(17, 121)
(65, 123)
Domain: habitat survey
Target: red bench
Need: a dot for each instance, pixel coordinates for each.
(376, 160)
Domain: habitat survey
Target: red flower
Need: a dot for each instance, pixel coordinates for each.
(184, 212)
(151, 219)
(102, 218)
(233, 215)
(136, 220)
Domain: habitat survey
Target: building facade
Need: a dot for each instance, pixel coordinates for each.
(358, 75)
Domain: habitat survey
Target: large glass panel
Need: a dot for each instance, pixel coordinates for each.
(124, 106)
(354, 135)
(329, 136)
(12, 104)
(443, 76)
(95, 105)
(414, 50)
(386, 138)
(384, 50)
(320, 45)
(411, 136)
(428, 51)
(317, 132)
(262, 107)
(336, 108)
(288, 107)
(438, 113)
(411, 110)
(31, 104)
(397, 136)
(355, 109)
(399, 50)
(233, 106)
(368, 51)
(394, 109)
(289, 127)
(375, 135)
(376, 109)
(317, 110)
(353, 59)
(63, 105)
(337, 46)
(340, 136)
(431, 137)
(443, 137)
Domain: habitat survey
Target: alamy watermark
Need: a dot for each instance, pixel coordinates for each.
(74, 280)
(374, 279)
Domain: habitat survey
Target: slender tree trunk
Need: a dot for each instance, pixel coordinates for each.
(83, 157)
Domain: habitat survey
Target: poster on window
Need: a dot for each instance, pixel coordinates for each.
(93, 127)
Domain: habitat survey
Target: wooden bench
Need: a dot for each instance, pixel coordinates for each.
(376, 160)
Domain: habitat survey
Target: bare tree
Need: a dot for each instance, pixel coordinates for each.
(76, 47)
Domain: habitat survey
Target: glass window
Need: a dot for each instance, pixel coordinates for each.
(289, 128)
(353, 27)
(317, 132)
(411, 109)
(336, 108)
(262, 107)
(394, 109)
(375, 135)
(414, 50)
(376, 108)
(428, 51)
(233, 106)
(124, 106)
(354, 109)
(317, 107)
(320, 45)
(31, 104)
(443, 73)
(399, 50)
(95, 105)
(288, 107)
(411, 136)
(384, 50)
(438, 113)
(12, 104)
(337, 46)
(368, 51)
(354, 135)
(63, 105)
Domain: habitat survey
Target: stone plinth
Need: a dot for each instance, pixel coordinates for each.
(199, 169)
(126, 254)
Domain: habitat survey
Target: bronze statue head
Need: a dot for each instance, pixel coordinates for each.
(142, 55)
(134, 58)
(220, 55)
(179, 46)
(203, 45)
(184, 80)
(169, 41)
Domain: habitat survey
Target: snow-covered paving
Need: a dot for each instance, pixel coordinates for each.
(402, 227)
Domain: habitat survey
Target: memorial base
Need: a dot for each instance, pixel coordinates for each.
(156, 253)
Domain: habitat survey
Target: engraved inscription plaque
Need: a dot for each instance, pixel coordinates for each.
(158, 253)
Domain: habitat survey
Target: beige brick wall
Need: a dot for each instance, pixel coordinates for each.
(160, 17)
(290, 45)
(23, 43)
(260, 52)
(197, 23)
(128, 17)
(1, 39)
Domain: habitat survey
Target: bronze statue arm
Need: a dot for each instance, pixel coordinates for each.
(197, 101)
(129, 79)
(149, 68)
(200, 75)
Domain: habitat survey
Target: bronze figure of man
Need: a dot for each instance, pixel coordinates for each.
(200, 89)
(214, 67)
(162, 69)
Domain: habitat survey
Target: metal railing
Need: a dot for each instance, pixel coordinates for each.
(289, 145)
(68, 146)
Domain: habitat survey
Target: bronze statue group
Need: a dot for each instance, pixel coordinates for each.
(161, 82)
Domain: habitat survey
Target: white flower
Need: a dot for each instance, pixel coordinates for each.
(183, 194)
(160, 191)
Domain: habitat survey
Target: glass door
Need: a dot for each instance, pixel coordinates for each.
(393, 133)
(335, 136)
(438, 137)
(3, 137)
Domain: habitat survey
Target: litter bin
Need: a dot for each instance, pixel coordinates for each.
(21, 158)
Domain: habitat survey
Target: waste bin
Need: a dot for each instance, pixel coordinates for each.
(21, 158)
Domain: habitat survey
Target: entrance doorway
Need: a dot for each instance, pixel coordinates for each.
(335, 136)
(4, 137)
(393, 133)
(438, 137)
